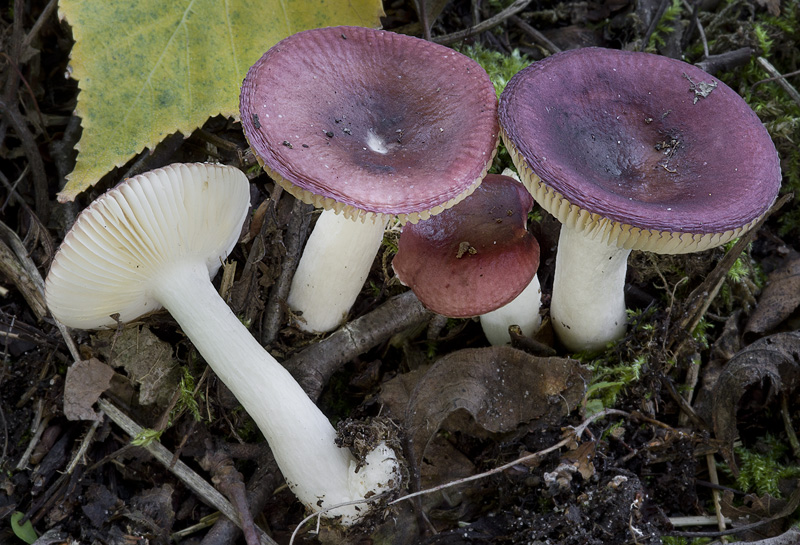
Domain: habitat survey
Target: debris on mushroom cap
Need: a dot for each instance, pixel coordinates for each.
(135, 231)
(370, 122)
(474, 257)
(639, 150)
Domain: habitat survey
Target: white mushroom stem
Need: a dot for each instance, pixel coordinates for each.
(300, 436)
(523, 311)
(333, 268)
(588, 304)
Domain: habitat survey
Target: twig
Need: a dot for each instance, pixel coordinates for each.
(489, 23)
(788, 509)
(573, 435)
(293, 239)
(230, 482)
(699, 300)
(725, 61)
(539, 38)
(651, 27)
(260, 488)
(682, 522)
(34, 31)
(314, 366)
(87, 440)
(787, 424)
(26, 456)
(712, 473)
(192, 480)
(780, 78)
(34, 159)
(693, 10)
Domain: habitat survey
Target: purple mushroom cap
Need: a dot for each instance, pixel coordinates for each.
(367, 121)
(649, 152)
(474, 257)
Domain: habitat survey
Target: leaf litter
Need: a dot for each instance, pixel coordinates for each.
(625, 480)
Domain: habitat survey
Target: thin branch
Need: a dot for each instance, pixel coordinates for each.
(192, 480)
(34, 159)
(314, 366)
(539, 38)
(489, 23)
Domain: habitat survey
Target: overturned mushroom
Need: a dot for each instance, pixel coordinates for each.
(155, 240)
(369, 125)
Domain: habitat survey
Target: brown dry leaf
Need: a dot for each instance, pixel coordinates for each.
(147, 360)
(772, 363)
(780, 297)
(86, 380)
(500, 387)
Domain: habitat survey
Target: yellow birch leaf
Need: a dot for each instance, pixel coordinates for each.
(149, 68)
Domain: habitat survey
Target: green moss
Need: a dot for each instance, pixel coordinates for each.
(186, 399)
(500, 67)
(761, 472)
(665, 26)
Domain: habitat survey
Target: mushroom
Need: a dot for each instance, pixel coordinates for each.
(155, 241)
(631, 151)
(368, 125)
(477, 259)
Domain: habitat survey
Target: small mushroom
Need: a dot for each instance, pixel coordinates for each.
(625, 152)
(155, 241)
(477, 259)
(381, 125)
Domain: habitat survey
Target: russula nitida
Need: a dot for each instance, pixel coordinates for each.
(477, 259)
(368, 125)
(155, 241)
(631, 151)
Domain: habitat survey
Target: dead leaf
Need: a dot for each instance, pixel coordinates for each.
(146, 358)
(780, 297)
(500, 387)
(86, 380)
(770, 363)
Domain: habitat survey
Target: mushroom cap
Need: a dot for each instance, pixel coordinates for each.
(139, 229)
(640, 150)
(369, 122)
(474, 257)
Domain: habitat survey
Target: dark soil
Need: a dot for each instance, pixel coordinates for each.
(691, 411)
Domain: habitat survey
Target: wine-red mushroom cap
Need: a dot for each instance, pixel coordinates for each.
(368, 122)
(639, 150)
(474, 257)
(136, 231)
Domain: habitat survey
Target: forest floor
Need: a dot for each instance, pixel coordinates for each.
(682, 432)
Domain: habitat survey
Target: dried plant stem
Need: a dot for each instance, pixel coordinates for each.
(712, 472)
(489, 23)
(192, 480)
(774, 73)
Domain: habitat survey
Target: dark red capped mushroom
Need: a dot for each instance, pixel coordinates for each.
(371, 125)
(631, 151)
(477, 258)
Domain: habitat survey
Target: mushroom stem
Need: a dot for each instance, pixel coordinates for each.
(523, 311)
(299, 434)
(334, 266)
(588, 304)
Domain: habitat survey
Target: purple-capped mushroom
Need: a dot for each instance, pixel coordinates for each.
(477, 259)
(631, 151)
(369, 125)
